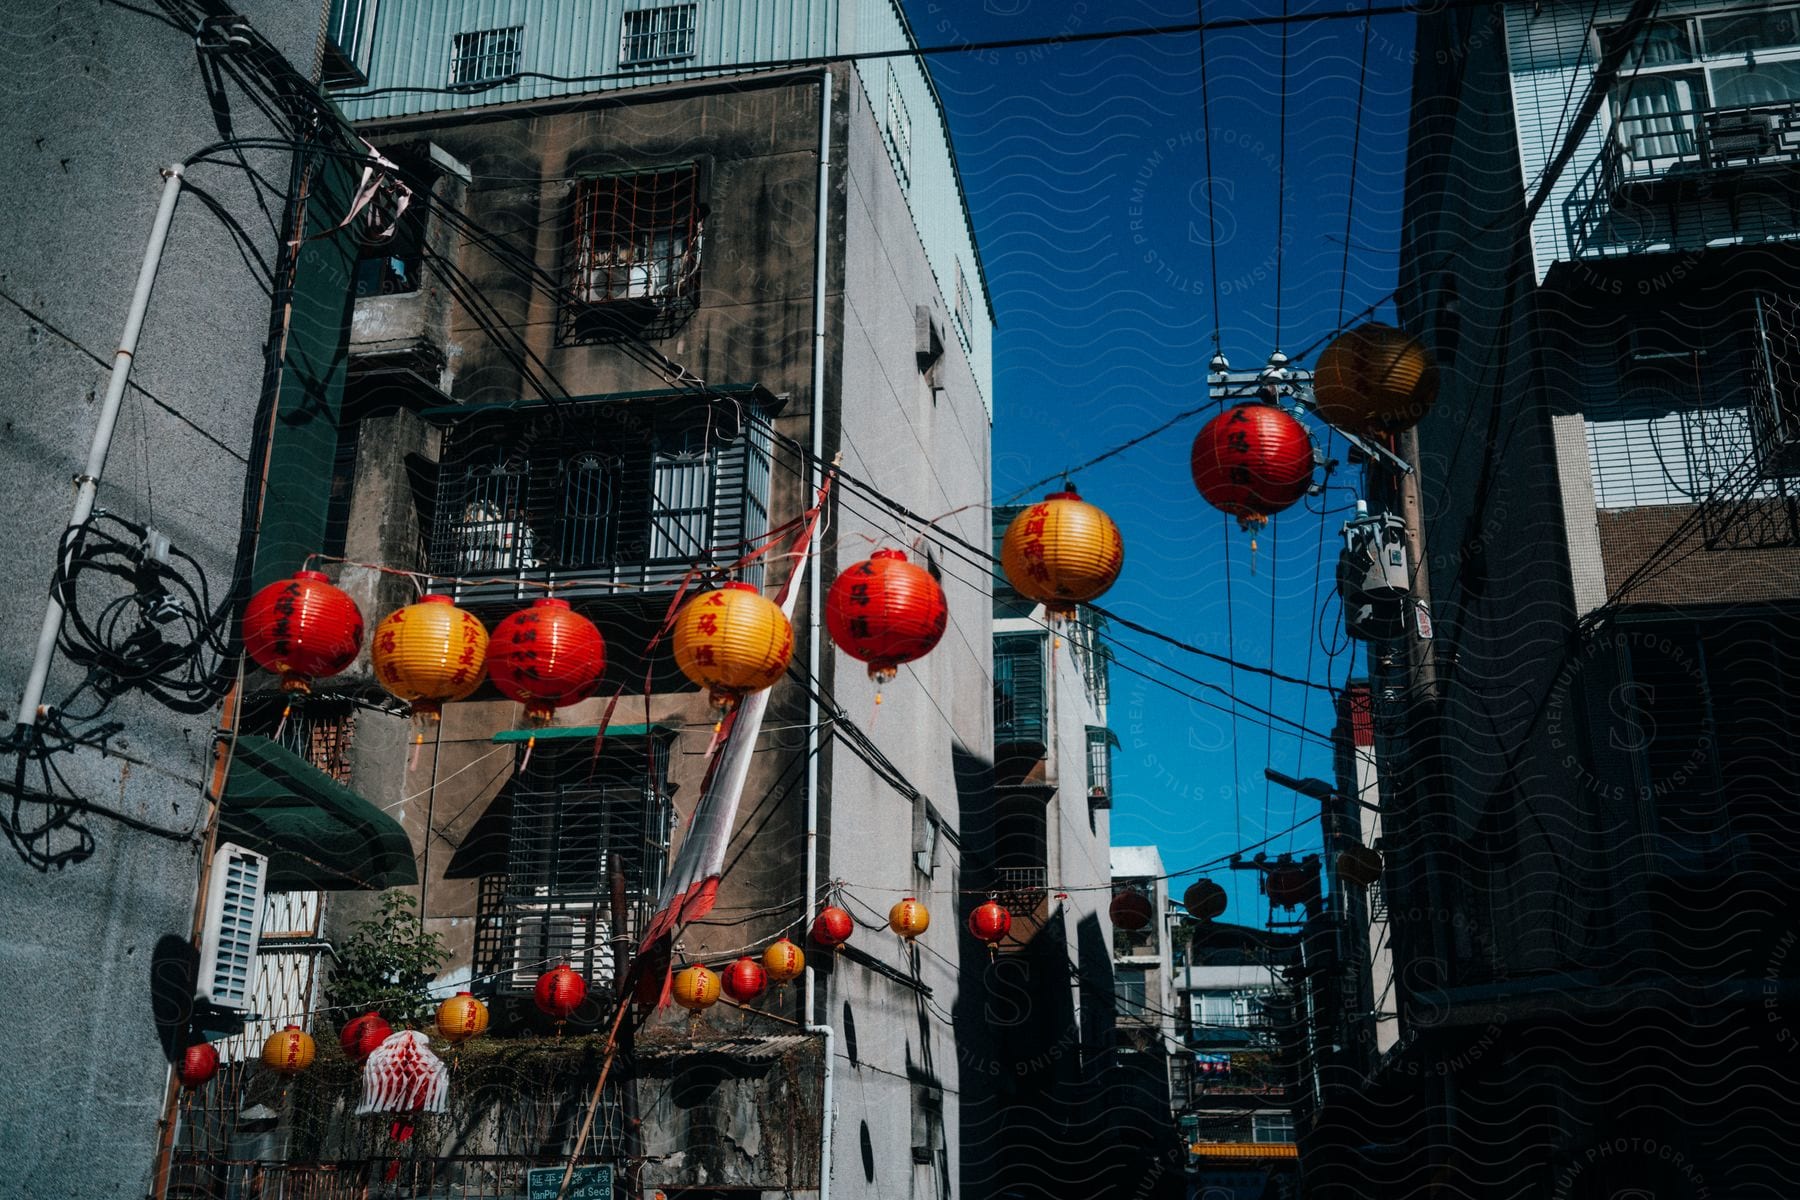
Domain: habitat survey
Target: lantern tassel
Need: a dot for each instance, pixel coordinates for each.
(530, 744)
(412, 761)
(281, 725)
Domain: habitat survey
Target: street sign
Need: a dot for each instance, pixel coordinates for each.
(589, 1183)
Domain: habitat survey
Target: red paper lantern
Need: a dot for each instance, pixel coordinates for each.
(1252, 461)
(560, 991)
(745, 980)
(886, 611)
(546, 657)
(360, 1035)
(199, 1063)
(1292, 884)
(302, 629)
(1204, 900)
(1130, 910)
(990, 922)
(832, 927)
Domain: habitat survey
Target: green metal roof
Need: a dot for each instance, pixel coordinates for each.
(560, 733)
(316, 832)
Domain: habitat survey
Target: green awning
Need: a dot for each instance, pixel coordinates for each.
(561, 733)
(316, 832)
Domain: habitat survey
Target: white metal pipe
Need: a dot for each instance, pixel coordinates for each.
(814, 615)
(87, 484)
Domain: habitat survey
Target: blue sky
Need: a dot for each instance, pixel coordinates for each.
(1085, 167)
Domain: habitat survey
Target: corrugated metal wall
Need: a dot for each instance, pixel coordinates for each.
(578, 43)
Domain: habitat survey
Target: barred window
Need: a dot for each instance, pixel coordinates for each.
(657, 35)
(965, 306)
(634, 259)
(897, 130)
(486, 54)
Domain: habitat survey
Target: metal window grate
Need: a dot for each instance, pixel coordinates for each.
(486, 55)
(567, 837)
(1019, 700)
(657, 35)
(1021, 890)
(596, 497)
(897, 130)
(965, 306)
(634, 259)
(1100, 742)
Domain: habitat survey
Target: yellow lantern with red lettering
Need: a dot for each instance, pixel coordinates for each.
(732, 642)
(696, 988)
(783, 961)
(1062, 551)
(461, 1017)
(288, 1051)
(909, 918)
(429, 654)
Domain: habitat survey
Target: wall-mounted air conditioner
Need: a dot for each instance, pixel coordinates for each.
(233, 928)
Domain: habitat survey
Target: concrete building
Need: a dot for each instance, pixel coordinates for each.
(1585, 771)
(622, 329)
(109, 794)
(1234, 1099)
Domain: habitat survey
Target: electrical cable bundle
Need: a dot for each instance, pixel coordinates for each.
(139, 615)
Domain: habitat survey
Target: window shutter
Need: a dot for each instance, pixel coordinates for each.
(233, 926)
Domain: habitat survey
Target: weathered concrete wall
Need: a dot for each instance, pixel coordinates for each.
(95, 101)
(919, 436)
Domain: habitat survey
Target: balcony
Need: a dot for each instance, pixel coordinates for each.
(1688, 178)
(617, 494)
(1021, 707)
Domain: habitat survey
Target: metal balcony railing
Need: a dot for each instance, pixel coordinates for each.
(1653, 152)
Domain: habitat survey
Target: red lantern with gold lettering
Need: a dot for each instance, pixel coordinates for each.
(361, 1035)
(560, 991)
(546, 657)
(832, 927)
(990, 922)
(886, 611)
(302, 629)
(199, 1063)
(1130, 910)
(745, 980)
(1252, 461)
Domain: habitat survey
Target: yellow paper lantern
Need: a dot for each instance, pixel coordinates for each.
(1062, 551)
(288, 1051)
(1374, 379)
(461, 1017)
(696, 988)
(732, 642)
(909, 918)
(783, 961)
(430, 654)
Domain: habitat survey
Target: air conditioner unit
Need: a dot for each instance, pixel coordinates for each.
(233, 928)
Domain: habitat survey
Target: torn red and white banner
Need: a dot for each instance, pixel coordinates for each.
(693, 882)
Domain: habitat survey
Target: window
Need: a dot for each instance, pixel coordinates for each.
(965, 306)
(634, 258)
(928, 830)
(1131, 986)
(897, 130)
(347, 26)
(1272, 1127)
(574, 821)
(487, 55)
(1019, 688)
(656, 35)
(616, 493)
(391, 250)
(1686, 75)
(1100, 742)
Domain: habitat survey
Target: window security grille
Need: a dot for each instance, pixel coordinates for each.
(897, 129)
(1019, 700)
(634, 259)
(596, 497)
(568, 835)
(233, 926)
(657, 35)
(486, 55)
(1100, 742)
(965, 306)
(1021, 890)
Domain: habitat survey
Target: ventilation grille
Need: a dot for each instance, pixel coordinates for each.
(233, 926)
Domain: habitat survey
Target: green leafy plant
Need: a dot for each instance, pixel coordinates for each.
(386, 964)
